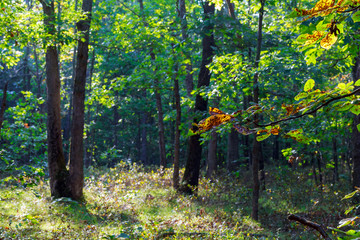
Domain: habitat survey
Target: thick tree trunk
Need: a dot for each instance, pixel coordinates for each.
(3, 106)
(78, 115)
(190, 180)
(58, 173)
(355, 138)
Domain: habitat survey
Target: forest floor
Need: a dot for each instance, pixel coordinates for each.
(130, 202)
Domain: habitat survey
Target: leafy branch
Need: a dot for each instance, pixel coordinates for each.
(310, 112)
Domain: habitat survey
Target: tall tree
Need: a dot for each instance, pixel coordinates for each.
(59, 186)
(64, 183)
(77, 129)
(256, 151)
(190, 179)
(355, 138)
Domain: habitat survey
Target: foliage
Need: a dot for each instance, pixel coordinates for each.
(130, 201)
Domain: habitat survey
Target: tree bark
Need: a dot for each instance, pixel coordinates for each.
(189, 80)
(176, 177)
(336, 160)
(232, 150)
(3, 106)
(58, 173)
(355, 137)
(212, 159)
(143, 138)
(190, 180)
(78, 115)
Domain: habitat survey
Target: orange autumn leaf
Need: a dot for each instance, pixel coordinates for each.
(214, 111)
(311, 38)
(328, 40)
(275, 130)
(26, 125)
(320, 7)
(262, 131)
(212, 121)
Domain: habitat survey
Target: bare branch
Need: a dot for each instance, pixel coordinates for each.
(311, 224)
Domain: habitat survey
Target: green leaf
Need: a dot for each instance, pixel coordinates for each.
(356, 17)
(346, 221)
(350, 195)
(309, 85)
(358, 127)
(357, 83)
(355, 109)
(263, 137)
(301, 96)
(342, 86)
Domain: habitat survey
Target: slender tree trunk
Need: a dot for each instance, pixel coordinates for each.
(189, 80)
(232, 150)
(335, 158)
(256, 145)
(143, 138)
(88, 140)
(70, 83)
(58, 173)
(190, 180)
(78, 116)
(176, 177)
(355, 138)
(3, 106)
(211, 159)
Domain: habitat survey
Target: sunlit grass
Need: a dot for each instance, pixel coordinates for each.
(131, 202)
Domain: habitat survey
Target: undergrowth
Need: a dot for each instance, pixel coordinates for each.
(131, 202)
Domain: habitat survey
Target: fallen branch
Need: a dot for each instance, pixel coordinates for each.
(308, 223)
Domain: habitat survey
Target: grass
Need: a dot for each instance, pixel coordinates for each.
(130, 202)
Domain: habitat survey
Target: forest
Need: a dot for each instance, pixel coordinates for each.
(184, 119)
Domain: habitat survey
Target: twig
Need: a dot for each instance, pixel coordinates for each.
(308, 223)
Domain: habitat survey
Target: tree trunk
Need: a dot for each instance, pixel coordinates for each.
(3, 106)
(232, 150)
(58, 173)
(190, 180)
(335, 158)
(143, 139)
(256, 145)
(189, 80)
(89, 137)
(355, 138)
(78, 115)
(176, 177)
(211, 160)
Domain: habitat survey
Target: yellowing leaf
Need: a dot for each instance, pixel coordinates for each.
(214, 111)
(341, 86)
(315, 36)
(319, 8)
(309, 85)
(357, 83)
(328, 41)
(263, 137)
(212, 121)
